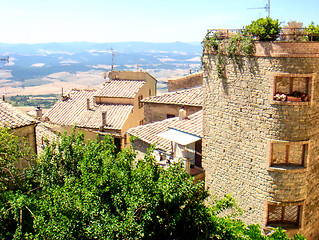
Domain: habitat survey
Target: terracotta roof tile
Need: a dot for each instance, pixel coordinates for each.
(73, 111)
(189, 97)
(12, 118)
(148, 133)
(120, 88)
(193, 124)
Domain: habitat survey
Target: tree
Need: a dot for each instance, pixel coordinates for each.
(85, 191)
(266, 29)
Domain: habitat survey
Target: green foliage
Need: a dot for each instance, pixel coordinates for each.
(313, 32)
(237, 45)
(82, 190)
(45, 101)
(265, 29)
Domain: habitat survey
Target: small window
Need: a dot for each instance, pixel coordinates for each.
(141, 122)
(292, 89)
(288, 216)
(140, 104)
(285, 153)
(170, 115)
(149, 92)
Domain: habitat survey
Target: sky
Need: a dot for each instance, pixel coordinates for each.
(41, 21)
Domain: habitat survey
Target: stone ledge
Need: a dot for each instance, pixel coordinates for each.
(287, 169)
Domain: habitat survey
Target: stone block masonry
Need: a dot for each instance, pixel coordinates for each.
(246, 133)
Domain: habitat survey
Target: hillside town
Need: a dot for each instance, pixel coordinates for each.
(246, 125)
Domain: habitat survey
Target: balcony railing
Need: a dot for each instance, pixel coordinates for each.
(286, 34)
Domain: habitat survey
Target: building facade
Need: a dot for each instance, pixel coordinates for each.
(112, 109)
(165, 106)
(261, 134)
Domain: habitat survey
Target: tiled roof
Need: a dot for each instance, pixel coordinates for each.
(120, 89)
(12, 118)
(148, 133)
(116, 115)
(73, 111)
(193, 124)
(187, 97)
(67, 112)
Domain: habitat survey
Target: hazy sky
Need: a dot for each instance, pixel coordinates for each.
(30, 21)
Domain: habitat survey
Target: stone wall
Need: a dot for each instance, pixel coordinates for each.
(154, 112)
(189, 81)
(241, 119)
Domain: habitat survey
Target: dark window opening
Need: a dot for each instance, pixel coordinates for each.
(288, 216)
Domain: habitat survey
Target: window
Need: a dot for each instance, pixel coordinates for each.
(288, 153)
(170, 115)
(140, 104)
(149, 92)
(292, 88)
(141, 122)
(288, 216)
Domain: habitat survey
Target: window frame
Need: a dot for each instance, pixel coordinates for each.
(309, 88)
(140, 98)
(282, 221)
(304, 155)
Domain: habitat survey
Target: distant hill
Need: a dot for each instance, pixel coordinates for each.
(80, 47)
(33, 65)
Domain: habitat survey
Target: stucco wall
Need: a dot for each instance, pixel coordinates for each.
(27, 132)
(240, 121)
(154, 112)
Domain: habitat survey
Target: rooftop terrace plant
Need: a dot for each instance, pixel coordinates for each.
(265, 29)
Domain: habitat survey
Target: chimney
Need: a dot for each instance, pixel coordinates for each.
(181, 114)
(190, 71)
(4, 97)
(88, 104)
(38, 111)
(103, 118)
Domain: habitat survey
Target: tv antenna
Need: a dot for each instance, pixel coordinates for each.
(113, 57)
(267, 8)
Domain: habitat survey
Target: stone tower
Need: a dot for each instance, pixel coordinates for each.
(261, 134)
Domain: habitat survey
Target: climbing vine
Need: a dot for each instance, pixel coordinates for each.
(237, 45)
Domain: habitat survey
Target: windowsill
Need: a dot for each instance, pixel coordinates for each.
(275, 102)
(287, 168)
(282, 225)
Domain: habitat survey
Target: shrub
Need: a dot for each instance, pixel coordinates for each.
(265, 29)
(313, 32)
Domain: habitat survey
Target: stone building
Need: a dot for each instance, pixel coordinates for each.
(261, 134)
(165, 106)
(20, 124)
(112, 109)
(189, 81)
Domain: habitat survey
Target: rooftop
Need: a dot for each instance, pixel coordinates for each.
(120, 88)
(149, 133)
(73, 111)
(12, 118)
(187, 97)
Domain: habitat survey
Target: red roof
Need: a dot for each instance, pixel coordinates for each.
(120, 89)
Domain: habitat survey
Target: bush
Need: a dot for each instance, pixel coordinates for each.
(313, 32)
(265, 29)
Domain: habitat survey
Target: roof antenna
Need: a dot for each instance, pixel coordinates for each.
(113, 56)
(267, 8)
